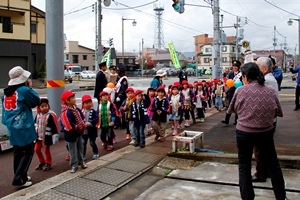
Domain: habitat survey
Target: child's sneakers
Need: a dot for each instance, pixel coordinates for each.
(95, 156)
(132, 142)
(46, 167)
(186, 123)
(156, 137)
(162, 139)
(83, 165)
(201, 120)
(110, 148)
(128, 137)
(39, 166)
(104, 145)
(73, 169)
(67, 157)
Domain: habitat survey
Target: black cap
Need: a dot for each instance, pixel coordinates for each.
(272, 59)
(102, 64)
(121, 67)
(113, 67)
(236, 63)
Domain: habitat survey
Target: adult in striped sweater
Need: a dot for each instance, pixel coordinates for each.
(256, 105)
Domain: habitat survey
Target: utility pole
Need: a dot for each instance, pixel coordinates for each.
(217, 39)
(55, 53)
(274, 43)
(99, 57)
(142, 57)
(96, 36)
(236, 37)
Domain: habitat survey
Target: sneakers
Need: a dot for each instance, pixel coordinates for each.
(95, 156)
(74, 169)
(28, 178)
(83, 165)
(67, 157)
(46, 167)
(128, 137)
(186, 123)
(110, 148)
(156, 137)
(224, 122)
(142, 145)
(114, 140)
(136, 144)
(179, 127)
(39, 166)
(162, 139)
(27, 184)
(132, 141)
(201, 120)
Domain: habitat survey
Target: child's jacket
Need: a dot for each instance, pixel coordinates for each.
(92, 117)
(162, 105)
(107, 114)
(139, 112)
(46, 126)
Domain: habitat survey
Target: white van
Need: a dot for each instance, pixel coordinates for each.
(74, 70)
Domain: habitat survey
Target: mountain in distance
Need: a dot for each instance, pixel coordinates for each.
(188, 54)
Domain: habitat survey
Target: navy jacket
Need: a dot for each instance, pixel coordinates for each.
(277, 73)
(100, 83)
(296, 71)
(140, 117)
(165, 107)
(93, 119)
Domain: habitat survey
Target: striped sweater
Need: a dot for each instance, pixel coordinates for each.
(256, 107)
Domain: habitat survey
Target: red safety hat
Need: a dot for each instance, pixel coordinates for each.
(138, 92)
(85, 98)
(199, 83)
(176, 84)
(161, 88)
(191, 85)
(195, 81)
(103, 93)
(130, 90)
(185, 82)
(66, 95)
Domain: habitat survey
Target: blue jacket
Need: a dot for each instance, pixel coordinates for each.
(93, 119)
(155, 83)
(277, 73)
(17, 103)
(296, 71)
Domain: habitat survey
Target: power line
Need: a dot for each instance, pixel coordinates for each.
(78, 10)
(281, 8)
(129, 7)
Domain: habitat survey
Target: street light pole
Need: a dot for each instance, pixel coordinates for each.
(134, 24)
(290, 22)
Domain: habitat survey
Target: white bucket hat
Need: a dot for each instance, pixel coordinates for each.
(160, 73)
(18, 75)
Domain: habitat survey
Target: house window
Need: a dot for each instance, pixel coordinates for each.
(120, 60)
(75, 59)
(233, 48)
(130, 60)
(206, 60)
(33, 27)
(93, 56)
(207, 49)
(224, 59)
(7, 26)
(224, 48)
(67, 56)
(84, 57)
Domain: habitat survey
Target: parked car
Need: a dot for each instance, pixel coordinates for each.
(150, 72)
(138, 72)
(88, 74)
(68, 76)
(174, 72)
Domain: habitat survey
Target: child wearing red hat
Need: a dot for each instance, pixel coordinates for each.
(90, 133)
(200, 97)
(160, 108)
(187, 103)
(107, 118)
(139, 116)
(125, 110)
(175, 109)
(151, 95)
(73, 125)
(46, 126)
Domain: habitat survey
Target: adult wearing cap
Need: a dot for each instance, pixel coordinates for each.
(120, 89)
(17, 102)
(182, 75)
(157, 80)
(234, 75)
(101, 80)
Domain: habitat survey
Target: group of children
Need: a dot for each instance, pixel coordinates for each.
(141, 111)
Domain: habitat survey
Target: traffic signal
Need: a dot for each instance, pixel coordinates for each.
(178, 6)
(111, 41)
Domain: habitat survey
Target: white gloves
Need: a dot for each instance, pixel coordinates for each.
(118, 99)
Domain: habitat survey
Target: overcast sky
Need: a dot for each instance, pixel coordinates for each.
(180, 28)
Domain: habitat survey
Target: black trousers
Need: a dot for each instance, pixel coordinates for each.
(264, 142)
(93, 144)
(22, 160)
(106, 135)
(297, 94)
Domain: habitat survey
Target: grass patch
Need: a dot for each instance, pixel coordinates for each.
(168, 172)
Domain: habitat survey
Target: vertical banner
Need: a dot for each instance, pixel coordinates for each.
(173, 55)
(107, 58)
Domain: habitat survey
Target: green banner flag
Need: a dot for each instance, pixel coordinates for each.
(173, 55)
(106, 58)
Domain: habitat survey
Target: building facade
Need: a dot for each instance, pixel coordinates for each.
(22, 33)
